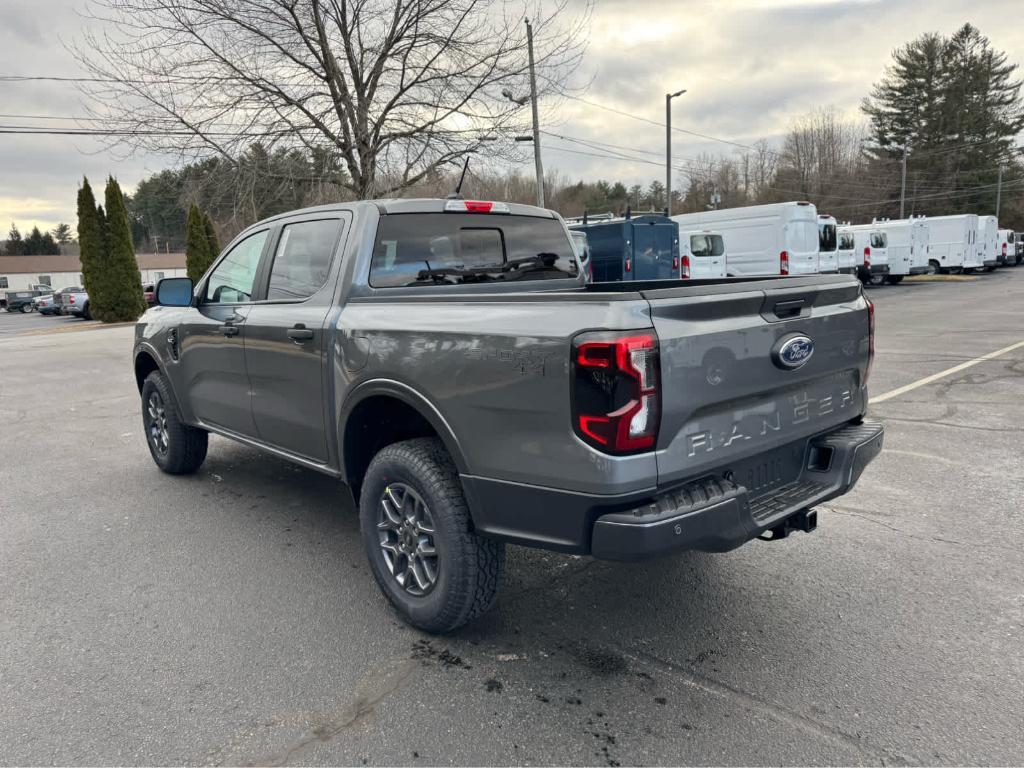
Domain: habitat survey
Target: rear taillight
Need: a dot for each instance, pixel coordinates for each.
(686, 267)
(871, 339)
(616, 400)
(1004, 249)
(784, 263)
(867, 255)
(71, 299)
(629, 265)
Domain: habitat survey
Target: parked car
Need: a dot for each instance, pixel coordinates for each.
(872, 244)
(642, 247)
(776, 239)
(702, 255)
(828, 244)
(23, 301)
(1007, 252)
(75, 303)
(846, 254)
(53, 308)
(447, 360)
(579, 240)
(953, 243)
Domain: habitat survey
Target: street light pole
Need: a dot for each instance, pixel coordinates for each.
(668, 148)
(536, 120)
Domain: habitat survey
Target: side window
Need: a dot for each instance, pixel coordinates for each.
(303, 259)
(45, 280)
(232, 280)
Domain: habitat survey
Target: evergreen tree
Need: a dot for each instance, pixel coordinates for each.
(118, 296)
(90, 236)
(198, 256)
(211, 236)
(62, 233)
(15, 245)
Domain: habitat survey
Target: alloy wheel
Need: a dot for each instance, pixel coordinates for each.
(157, 423)
(405, 531)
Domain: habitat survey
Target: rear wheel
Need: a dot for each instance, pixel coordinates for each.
(416, 529)
(933, 267)
(26, 308)
(177, 448)
(894, 279)
(86, 314)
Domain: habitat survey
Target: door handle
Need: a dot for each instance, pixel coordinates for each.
(300, 333)
(228, 329)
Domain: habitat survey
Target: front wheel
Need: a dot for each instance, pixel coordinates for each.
(416, 529)
(177, 448)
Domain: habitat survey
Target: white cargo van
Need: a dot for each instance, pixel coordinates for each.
(953, 243)
(776, 239)
(701, 254)
(1008, 247)
(827, 243)
(871, 248)
(988, 237)
(846, 252)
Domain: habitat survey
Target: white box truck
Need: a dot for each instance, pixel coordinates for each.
(846, 253)
(701, 254)
(776, 239)
(871, 247)
(828, 244)
(953, 243)
(907, 243)
(988, 240)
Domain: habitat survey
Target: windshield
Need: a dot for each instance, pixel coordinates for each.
(878, 240)
(846, 241)
(826, 237)
(706, 245)
(451, 248)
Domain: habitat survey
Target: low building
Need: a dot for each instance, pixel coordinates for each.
(19, 273)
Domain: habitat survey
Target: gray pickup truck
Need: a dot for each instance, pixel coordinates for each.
(448, 362)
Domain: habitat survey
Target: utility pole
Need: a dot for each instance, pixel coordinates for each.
(536, 119)
(999, 189)
(903, 181)
(668, 149)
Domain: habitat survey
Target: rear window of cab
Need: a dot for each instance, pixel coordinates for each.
(413, 249)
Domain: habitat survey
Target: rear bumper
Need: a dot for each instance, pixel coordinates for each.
(990, 263)
(711, 513)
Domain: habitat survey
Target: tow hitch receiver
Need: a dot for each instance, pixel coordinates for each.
(805, 520)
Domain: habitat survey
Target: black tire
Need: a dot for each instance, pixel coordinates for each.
(26, 308)
(467, 568)
(894, 279)
(86, 314)
(933, 267)
(177, 448)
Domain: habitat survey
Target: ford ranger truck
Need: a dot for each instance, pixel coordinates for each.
(447, 361)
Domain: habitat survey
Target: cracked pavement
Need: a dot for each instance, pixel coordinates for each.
(229, 617)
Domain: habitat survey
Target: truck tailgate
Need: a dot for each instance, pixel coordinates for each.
(727, 394)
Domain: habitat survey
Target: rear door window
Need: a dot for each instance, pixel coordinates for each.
(878, 240)
(846, 241)
(303, 259)
(827, 237)
(706, 245)
(414, 249)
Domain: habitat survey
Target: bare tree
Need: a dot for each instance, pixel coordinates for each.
(396, 88)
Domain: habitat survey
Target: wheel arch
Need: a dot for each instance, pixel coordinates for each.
(381, 412)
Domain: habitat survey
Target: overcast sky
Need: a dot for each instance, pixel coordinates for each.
(749, 67)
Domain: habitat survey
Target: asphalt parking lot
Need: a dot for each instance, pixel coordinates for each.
(19, 324)
(230, 617)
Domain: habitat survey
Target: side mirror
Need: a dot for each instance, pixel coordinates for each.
(174, 292)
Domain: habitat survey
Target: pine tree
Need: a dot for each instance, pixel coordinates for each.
(15, 245)
(62, 233)
(198, 256)
(90, 236)
(211, 237)
(119, 284)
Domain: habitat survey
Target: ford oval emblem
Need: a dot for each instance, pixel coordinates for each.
(793, 352)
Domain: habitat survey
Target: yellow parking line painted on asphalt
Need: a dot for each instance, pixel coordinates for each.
(940, 279)
(73, 328)
(942, 374)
